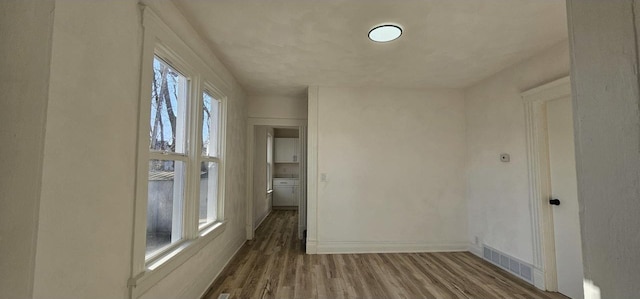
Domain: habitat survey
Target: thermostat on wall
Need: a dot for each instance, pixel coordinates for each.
(505, 157)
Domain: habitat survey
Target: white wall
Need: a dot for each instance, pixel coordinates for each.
(261, 200)
(498, 192)
(604, 70)
(277, 107)
(86, 211)
(394, 160)
(89, 155)
(25, 51)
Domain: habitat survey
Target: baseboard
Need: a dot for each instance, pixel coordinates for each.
(476, 250)
(262, 219)
(538, 278)
(512, 265)
(386, 247)
(223, 267)
(288, 208)
(312, 246)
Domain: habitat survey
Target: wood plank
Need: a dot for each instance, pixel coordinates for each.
(274, 266)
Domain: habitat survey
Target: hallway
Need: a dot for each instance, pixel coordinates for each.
(273, 266)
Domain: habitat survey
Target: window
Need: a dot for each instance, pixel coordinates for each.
(175, 116)
(167, 157)
(179, 204)
(269, 162)
(177, 173)
(209, 159)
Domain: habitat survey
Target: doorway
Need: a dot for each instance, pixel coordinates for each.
(285, 172)
(553, 189)
(272, 171)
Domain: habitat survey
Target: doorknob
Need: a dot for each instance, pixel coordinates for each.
(555, 202)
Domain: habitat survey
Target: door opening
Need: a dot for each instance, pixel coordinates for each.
(276, 156)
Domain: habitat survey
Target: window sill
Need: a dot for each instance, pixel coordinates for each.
(160, 267)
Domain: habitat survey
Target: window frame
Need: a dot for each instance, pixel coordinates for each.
(173, 61)
(159, 40)
(217, 95)
(270, 149)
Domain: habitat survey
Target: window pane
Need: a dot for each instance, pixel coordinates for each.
(210, 125)
(269, 161)
(208, 192)
(164, 204)
(168, 106)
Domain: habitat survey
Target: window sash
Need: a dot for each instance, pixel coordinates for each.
(168, 156)
(178, 213)
(183, 100)
(218, 216)
(212, 205)
(214, 131)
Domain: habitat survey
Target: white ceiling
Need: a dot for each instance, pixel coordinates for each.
(281, 47)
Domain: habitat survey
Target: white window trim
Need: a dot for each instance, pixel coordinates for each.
(270, 166)
(160, 40)
(222, 133)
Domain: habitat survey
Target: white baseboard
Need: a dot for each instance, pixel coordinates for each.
(262, 219)
(538, 278)
(385, 247)
(312, 247)
(476, 250)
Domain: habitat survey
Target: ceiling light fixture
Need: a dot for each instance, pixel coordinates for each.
(385, 33)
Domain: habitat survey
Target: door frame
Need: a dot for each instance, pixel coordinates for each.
(302, 182)
(545, 276)
(252, 122)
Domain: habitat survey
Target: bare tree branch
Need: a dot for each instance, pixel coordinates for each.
(157, 123)
(167, 101)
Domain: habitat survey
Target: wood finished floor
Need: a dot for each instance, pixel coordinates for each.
(273, 266)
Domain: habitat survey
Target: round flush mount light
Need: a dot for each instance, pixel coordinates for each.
(385, 33)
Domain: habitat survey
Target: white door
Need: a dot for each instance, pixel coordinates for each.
(564, 187)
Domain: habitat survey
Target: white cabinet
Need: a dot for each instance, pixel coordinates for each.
(285, 192)
(284, 196)
(286, 150)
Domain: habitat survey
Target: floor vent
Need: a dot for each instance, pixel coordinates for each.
(508, 263)
(224, 296)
